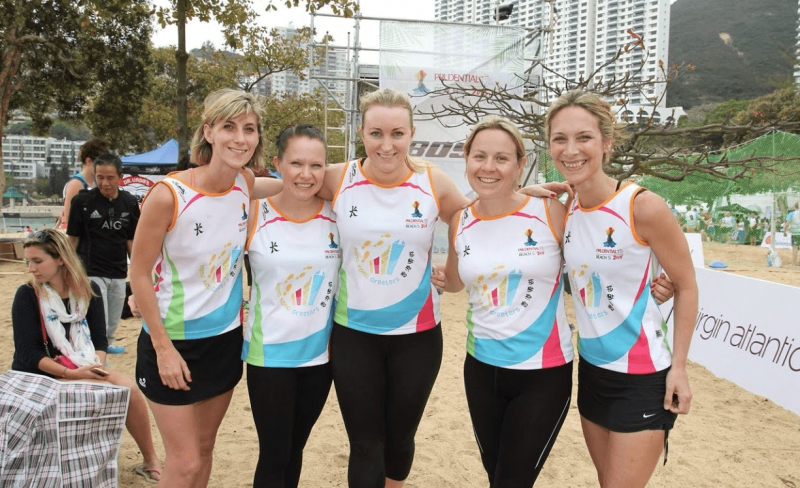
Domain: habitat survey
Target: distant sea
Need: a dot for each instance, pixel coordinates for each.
(18, 224)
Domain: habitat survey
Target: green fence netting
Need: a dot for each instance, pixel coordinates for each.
(762, 195)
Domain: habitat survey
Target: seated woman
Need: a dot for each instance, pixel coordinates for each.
(59, 314)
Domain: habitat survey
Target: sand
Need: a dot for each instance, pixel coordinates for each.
(731, 438)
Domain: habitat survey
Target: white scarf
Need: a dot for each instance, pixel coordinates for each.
(79, 348)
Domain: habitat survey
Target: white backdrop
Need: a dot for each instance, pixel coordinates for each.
(420, 58)
(747, 332)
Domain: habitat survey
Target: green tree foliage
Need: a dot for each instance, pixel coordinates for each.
(159, 117)
(777, 108)
(664, 150)
(59, 175)
(281, 112)
(20, 129)
(41, 186)
(724, 112)
(265, 52)
(238, 19)
(62, 56)
(70, 131)
(210, 71)
(696, 188)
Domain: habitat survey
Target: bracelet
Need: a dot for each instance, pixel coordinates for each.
(64, 375)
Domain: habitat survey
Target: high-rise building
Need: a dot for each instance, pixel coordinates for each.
(585, 35)
(28, 157)
(334, 65)
(797, 50)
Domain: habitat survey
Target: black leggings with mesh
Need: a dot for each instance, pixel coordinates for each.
(383, 383)
(516, 415)
(286, 402)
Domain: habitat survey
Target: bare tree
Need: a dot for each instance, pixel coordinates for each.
(654, 148)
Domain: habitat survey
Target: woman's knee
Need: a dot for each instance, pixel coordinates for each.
(206, 448)
(187, 465)
(275, 455)
(367, 450)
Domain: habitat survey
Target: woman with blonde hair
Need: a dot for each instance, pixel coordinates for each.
(505, 249)
(189, 351)
(618, 236)
(66, 336)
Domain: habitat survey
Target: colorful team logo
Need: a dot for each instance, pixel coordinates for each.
(609, 252)
(416, 212)
(415, 221)
(530, 241)
(498, 289)
(590, 290)
(421, 89)
(333, 244)
(221, 266)
(381, 257)
(530, 247)
(609, 241)
(301, 289)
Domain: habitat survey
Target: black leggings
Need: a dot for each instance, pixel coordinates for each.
(383, 383)
(286, 403)
(516, 415)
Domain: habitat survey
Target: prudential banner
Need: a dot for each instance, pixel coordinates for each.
(745, 331)
(423, 59)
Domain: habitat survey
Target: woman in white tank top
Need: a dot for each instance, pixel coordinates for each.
(206, 207)
(617, 236)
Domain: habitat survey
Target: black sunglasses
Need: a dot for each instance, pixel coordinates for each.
(40, 236)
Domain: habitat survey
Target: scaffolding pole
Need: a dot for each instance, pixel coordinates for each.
(353, 78)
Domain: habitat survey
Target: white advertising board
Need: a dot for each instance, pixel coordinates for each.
(745, 332)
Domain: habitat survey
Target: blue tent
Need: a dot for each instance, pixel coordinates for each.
(161, 160)
(162, 156)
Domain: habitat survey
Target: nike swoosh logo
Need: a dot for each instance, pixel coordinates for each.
(644, 415)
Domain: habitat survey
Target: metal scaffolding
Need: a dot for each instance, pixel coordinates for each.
(347, 100)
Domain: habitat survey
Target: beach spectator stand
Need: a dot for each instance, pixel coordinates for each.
(59, 434)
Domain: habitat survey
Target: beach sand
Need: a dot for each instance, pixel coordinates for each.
(731, 438)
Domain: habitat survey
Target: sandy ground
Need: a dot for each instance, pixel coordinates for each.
(731, 438)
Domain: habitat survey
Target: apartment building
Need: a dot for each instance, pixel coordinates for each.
(29, 157)
(585, 35)
(334, 65)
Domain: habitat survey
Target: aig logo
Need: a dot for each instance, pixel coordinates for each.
(111, 224)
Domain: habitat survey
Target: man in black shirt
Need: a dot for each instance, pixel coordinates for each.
(101, 225)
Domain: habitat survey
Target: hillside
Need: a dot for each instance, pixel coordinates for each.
(742, 48)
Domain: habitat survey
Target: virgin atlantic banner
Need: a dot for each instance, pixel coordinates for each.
(422, 59)
(745, 331)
